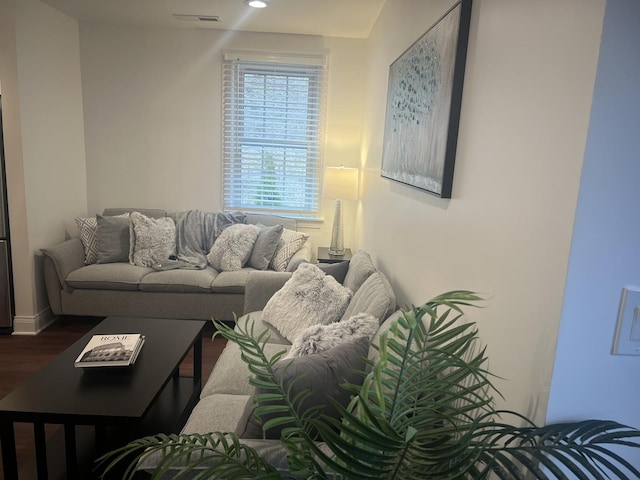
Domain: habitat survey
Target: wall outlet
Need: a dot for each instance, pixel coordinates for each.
(627, 337)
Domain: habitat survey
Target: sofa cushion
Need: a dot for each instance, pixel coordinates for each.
(265, 247)
(308, 298)
(260, 326)
(322, 374)
(231, 374)
(375, 297)
(153, 240)
(149, 212)
(112, 239)
(319, 338)
(290, 242)
(216, 413)
(271, 220)
(374, 354)
(179, 280)
(233, 247)
(360, 268)
(231, 282)
(108, 276)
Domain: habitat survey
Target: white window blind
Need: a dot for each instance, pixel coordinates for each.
(273, 118)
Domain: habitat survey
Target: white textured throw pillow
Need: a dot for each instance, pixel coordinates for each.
(308, 298)
(232, 248)
(152, 240)
(289, 244)
(320, 338)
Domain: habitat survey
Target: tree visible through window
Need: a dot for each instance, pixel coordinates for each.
(272, 134)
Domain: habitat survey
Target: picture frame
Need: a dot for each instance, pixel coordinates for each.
(424, 98)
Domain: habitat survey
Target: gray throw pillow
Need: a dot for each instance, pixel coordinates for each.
(112, 239)
(88, 227)
(323, 374)
(360, 268)
(265, 247)
(336, 270)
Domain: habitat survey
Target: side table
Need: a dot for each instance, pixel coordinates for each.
(325, 257)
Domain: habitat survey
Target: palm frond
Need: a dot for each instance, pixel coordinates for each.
(211, 456)
(425, 409)
(577, 447)
(275, 397)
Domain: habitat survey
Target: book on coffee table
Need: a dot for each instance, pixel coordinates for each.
(110, 350)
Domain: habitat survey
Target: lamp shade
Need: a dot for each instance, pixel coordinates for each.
(341, 183)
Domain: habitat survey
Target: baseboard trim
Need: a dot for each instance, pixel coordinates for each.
(23, 325)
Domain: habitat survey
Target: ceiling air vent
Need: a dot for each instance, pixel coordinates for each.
(196, 18)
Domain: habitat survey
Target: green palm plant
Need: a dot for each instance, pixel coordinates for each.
(425, 409)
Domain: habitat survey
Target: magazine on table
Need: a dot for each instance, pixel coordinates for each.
(110, 350)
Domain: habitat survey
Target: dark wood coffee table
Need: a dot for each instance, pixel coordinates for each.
(146, 398)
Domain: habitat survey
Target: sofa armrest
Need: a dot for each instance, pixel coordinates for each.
(52, 286)
(66, 257)
(302, 256)
(260, 287)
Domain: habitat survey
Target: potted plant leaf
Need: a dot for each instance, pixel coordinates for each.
(424, 410)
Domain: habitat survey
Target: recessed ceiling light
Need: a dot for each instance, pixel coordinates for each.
(257, 3)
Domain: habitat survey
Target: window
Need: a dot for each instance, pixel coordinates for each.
(273, 115)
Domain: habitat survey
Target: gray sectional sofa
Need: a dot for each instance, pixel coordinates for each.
(224, 398)
(122, 289)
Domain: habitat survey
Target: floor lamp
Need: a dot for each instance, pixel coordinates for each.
(340, 183)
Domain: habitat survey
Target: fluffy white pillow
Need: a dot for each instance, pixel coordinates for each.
(308, 298)
(320, 338)
(152, 240)
(288, 245)
(232, 248)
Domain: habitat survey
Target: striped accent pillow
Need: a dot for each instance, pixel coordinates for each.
(288, 245)
(88, 236)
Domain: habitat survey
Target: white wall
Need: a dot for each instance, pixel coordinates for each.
(507, 230)
(152, 100)
(587, 380)
(45, 137)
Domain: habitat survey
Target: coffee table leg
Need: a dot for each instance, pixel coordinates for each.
(101, 439)
(8, 440)
(70, 450)
(41, 451)
(197, 359)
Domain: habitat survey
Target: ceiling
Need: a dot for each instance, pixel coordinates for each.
(335, 18)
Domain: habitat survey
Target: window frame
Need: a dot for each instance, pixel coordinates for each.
(235, 188)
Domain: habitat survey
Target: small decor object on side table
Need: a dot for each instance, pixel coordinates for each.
(325, 257)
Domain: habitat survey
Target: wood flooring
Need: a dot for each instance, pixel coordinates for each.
(22, 356)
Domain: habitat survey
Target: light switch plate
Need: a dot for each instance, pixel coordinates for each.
(627, 337)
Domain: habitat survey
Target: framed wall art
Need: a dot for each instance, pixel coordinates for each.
(424, 97)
